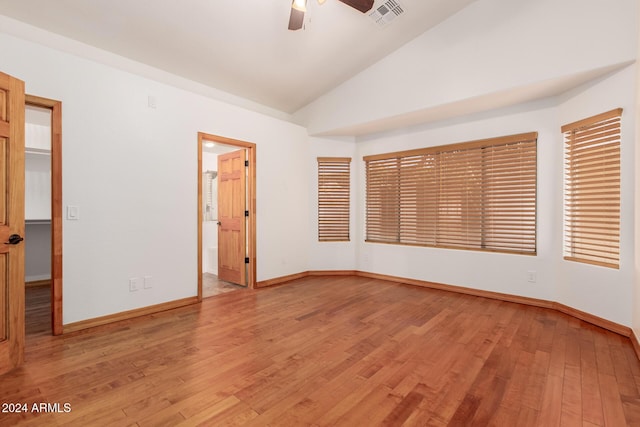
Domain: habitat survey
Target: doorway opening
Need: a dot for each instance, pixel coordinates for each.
(226, 215)
(43, 212)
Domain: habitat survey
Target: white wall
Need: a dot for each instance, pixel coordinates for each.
(37, 249)
(132, 171)
(489, 50)
(37, 181)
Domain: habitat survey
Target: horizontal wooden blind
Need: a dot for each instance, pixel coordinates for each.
(333, 198)
(475, 195)
(592, 190)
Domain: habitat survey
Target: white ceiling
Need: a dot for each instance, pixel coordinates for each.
(241, 47)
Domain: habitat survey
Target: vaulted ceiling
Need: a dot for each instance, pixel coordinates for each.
(242, 47)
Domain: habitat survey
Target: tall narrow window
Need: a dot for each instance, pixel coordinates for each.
(477, 195)
(333, 198)
(592, 190)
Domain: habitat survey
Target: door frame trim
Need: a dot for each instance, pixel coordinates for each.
(56, 206)
(251, 195)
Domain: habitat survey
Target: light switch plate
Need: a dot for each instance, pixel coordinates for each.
(148, 282)
(73, 213)
(134, 284)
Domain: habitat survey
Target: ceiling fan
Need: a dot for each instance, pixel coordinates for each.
(299, 7)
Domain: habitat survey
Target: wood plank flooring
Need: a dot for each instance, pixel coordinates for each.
(320, 351)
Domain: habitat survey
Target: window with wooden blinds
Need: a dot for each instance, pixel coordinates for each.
(333, 198)
(477, 195)
(592, 190)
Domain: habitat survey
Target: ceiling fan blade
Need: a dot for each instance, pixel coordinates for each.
(362, 5)
(296, 19)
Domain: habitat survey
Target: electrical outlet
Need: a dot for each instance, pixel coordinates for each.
(148, 282)
(134, 284)
(532, 276)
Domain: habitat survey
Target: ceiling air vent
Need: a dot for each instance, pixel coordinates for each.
(386, 12)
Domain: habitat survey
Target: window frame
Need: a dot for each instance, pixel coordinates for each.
(484, 220)
(591, 211)
(334, 199)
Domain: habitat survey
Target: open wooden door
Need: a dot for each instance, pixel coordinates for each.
(11, 222)
(231, 217)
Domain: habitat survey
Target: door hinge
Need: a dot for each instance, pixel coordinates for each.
(246, 162)
(246, 260)
(246, 213)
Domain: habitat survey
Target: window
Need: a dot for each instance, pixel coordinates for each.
(333, 198)
(592, 190)
(476, 195)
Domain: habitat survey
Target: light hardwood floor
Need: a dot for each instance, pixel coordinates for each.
(344, 351)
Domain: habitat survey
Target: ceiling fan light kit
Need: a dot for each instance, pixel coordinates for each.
(299, 7)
